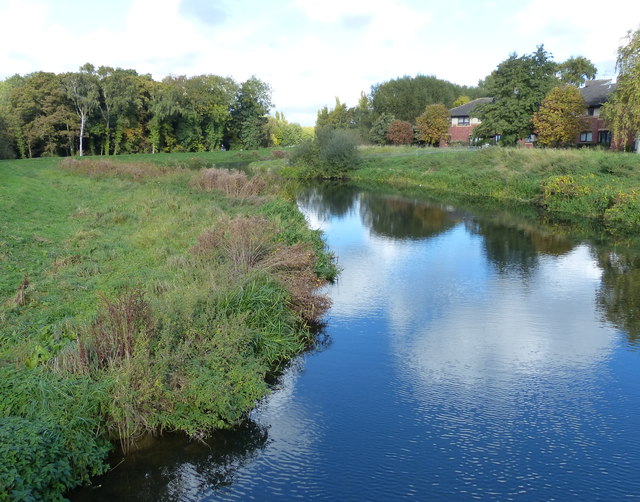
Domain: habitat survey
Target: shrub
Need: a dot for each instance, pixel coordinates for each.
(330, 155)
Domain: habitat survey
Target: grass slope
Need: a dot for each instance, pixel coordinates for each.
(139, 297)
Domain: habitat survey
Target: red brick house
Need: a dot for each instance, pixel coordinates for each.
(595, 131)
(462, 123)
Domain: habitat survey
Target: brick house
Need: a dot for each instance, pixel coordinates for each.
(462, 123)
(595, 131)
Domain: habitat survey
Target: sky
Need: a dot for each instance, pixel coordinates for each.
(308, 51)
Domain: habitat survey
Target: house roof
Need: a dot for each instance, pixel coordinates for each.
(466, 109)
(597, 92)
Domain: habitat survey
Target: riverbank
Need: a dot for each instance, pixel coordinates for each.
(599, 185)
(138, 298)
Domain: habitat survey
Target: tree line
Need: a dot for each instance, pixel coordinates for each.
(110, 111)
(530, 94)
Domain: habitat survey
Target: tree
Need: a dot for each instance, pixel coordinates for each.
(576, 70)
(378, 131)
(518, 87)
(405, 98)
(249, 113)
(340, 117)
(83, 91)
(400, 132)
(461, 100)
(560, 118)
(433, 124)
(623, 108)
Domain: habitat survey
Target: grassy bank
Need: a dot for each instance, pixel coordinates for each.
(599, 185)
(138, 298)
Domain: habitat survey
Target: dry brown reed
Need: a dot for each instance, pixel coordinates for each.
(248, 243)
(231, 182)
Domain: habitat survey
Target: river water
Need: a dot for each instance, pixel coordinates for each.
(465, 357)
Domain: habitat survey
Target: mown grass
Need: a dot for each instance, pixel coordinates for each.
(600, 185)
(132, 301)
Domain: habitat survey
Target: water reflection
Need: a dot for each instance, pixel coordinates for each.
(619, 293)
(173, 467)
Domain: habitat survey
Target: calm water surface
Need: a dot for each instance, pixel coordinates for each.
(462, 359)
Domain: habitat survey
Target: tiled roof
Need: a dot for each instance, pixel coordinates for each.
(597, 92)
(466, 109)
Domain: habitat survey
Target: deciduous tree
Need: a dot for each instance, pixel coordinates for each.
(518, 87)
(623, 108)
(561, 116)
(576, 70)
(83, 91)
(433, 124)
(400, 132)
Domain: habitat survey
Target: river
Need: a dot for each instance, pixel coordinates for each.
(466, 357)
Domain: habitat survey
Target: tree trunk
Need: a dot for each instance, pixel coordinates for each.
(82, 121)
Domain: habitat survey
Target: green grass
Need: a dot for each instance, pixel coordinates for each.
(102, 286)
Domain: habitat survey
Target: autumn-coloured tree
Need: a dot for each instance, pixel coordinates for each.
(461, 100)
(400, 132)
(433, 124)
(560, 117)
(623, 109)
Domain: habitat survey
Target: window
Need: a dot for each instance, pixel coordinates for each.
(591, 110)
(586, 137)
(604, 138)
(463, 121)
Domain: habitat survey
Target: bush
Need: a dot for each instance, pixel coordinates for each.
(331, 154)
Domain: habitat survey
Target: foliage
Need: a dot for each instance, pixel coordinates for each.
(576, 70)
(117, 111)
(400, 132)
(623, 108)
(518, 86)
(47, 433)
(405, 98)
(331, 154)
(433, 124)
(560, 117)
(340, 117)
(461, 100)
(378, 131)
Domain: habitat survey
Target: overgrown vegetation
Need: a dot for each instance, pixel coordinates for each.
(137, 298)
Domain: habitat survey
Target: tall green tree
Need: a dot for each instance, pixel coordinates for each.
(576, 70)
(405, 98)
(121, 99)
(249, 113)
(84, 92)
(433, 124)
(518, 87)
(623, 108)
(560, 117)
